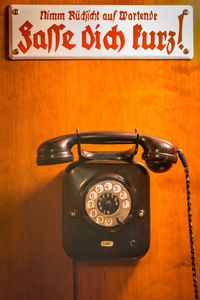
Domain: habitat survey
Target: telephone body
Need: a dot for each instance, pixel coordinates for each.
(107, 198)
(106, 205)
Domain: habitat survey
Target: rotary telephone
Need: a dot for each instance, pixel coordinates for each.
(106, 203)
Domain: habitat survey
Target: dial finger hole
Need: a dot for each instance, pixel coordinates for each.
(100, 219)
(117, 188)
(90, 204)
(108, 186)
(125, 204)
(108, 222)
(99, 188)
(93, 213)
(92, 195)
(123, 195)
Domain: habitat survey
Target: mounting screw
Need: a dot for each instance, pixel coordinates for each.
(72, 213)
(15, 11)
(133, 243)
(141, 213)
(186, 12)
(16, 51)
(186, 51)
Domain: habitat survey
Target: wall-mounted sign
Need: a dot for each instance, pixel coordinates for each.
(101, 32)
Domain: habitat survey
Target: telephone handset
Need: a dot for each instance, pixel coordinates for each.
(158, 154)
(106, 205)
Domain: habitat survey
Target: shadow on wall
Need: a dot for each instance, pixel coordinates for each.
(33, 262)
(32, 259)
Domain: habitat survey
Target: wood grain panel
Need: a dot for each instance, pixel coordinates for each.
(43, 99)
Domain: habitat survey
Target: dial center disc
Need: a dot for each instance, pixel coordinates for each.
(108, 203)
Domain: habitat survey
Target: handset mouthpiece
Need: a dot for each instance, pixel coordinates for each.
(158, 154)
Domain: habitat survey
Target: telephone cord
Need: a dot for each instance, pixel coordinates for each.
(74, 275)
(189, 210)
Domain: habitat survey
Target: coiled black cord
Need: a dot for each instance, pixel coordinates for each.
(189, 211)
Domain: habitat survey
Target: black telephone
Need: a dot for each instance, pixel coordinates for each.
(106, 210)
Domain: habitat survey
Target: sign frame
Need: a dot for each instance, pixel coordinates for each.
(94, 37)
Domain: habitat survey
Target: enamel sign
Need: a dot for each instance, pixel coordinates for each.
(100, 32)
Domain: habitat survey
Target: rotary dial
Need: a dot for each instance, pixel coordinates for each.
(108, 203)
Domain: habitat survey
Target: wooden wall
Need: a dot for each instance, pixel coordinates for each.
(43, 99)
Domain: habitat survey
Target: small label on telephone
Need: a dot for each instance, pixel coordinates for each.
(107, 243)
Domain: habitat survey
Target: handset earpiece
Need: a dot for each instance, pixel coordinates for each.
(158, 154)
(55, 151)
